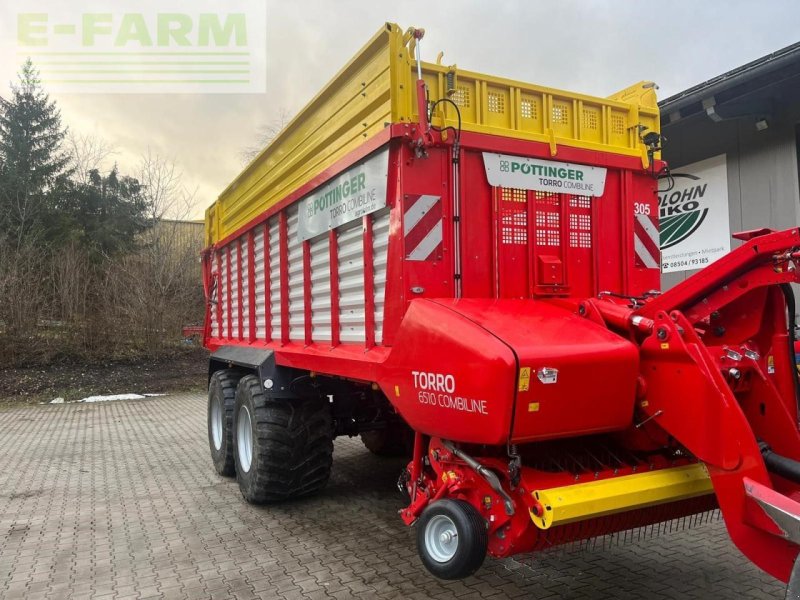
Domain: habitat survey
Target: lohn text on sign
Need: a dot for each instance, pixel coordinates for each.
(681, 201)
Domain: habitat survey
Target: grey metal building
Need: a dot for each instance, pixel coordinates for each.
(749, 120)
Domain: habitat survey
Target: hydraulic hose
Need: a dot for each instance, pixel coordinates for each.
(780, 465)
(490, 478)
(791, 305)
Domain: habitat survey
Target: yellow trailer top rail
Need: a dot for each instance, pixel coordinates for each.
(376, 88)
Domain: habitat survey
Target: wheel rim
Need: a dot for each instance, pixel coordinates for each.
(244, 439)
(216, 422)
(441, 538)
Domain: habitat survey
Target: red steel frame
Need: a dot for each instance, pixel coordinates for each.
(284, 274)
(267, 286)
(220, 291)
(333, 254)
(369, 285)
(251, 285)
(240, 294)
(229, 287)
(713, 287)
(351, 359)
(307, 291)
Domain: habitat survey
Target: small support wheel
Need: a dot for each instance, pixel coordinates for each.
(452, 539)
(221, 401)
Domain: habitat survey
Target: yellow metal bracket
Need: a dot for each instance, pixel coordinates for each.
(551, 135)
(583, 501)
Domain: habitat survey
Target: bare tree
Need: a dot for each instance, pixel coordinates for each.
(265, 135)
(158, 289)
(87, 152)
(161, 184)
(23, 298)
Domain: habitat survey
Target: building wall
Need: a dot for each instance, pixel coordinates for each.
(762, 168)
(179, 242)
(185, 234)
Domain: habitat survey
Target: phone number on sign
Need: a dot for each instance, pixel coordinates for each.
(689, 262)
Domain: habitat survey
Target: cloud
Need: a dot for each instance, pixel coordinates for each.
(596, 47)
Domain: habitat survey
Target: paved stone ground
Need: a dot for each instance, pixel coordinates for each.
(119, 500)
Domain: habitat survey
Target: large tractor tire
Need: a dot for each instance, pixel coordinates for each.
(395, 440)
(284, 448)
(221, 402)
(452, 539)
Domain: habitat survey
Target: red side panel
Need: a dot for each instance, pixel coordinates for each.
(513, 243)
(426, 208)
(449, 377)
(477, 237)
(519, 243)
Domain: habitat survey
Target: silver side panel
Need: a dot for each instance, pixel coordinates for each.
(320, 289)
(258, 244)
(275, 277)
(380, 255)
(296, 306)
(351, 283)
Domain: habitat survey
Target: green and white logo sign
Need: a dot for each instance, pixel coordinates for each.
(359, 191)
(142, 46)
(503, 170)
(693, 216)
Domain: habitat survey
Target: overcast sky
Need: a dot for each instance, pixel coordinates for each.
(591, 46)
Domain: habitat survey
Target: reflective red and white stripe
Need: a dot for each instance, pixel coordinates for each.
(645, 242)
(422, 226)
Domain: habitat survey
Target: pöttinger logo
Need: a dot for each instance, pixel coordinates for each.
(145, 46)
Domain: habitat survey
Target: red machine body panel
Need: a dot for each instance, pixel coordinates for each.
(493, 371)
(574, 377)
(448, 374)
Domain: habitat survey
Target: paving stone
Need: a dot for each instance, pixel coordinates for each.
(119, 500)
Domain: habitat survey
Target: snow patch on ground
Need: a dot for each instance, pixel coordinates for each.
(107, 398)
(112, 398)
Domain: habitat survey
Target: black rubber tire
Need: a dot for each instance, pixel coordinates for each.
(473, 539)
(223, 387)
(292, 449)
(395, 440)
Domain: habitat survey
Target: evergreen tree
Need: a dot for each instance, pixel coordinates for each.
(104, 215)
(32, 163)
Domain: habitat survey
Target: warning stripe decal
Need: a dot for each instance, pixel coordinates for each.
(422, 226)
(645, 242)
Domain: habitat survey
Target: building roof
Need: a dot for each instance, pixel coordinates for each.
(775, 69)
